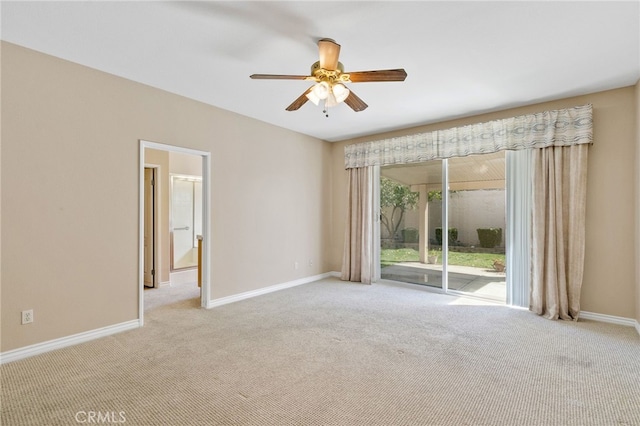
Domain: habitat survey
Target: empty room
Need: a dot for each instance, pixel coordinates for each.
(320, 213)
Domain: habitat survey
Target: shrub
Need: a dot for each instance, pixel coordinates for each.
(453, 236)
(489, 237)
(410, 235)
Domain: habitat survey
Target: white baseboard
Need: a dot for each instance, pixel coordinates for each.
(63, 342)
(610, 319)
(253, 293)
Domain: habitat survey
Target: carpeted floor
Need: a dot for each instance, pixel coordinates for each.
(167, 295)
(335, 353)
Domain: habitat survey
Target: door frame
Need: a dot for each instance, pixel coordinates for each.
(206, 220)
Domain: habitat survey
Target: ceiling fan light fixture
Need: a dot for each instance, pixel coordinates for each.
(328, 75)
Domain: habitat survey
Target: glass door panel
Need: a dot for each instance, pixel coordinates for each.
(411, 206)
(477, 224)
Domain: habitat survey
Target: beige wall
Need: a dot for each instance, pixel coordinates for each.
(609, 280)
(70, 153)
(185, 164)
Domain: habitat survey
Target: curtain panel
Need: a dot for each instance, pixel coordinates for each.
(563, 127)
(558, 226)
(357, 258)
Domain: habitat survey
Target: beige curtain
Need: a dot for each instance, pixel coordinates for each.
(558, 230)
(358, 251)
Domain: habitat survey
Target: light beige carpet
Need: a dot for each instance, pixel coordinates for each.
(167, 295)
(335, 353)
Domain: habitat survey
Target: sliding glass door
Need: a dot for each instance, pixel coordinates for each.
(442, 224)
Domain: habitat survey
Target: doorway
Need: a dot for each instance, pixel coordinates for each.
(200, 211)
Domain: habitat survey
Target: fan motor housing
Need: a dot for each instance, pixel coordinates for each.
(315, 68)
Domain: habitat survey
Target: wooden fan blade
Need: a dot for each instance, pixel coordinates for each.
(355, 102)
(329, 52)
(302, 99)
(278, 77)
(381, 75)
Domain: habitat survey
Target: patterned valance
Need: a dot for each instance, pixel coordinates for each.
(559, 127)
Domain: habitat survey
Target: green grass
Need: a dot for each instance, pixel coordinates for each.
(476, 260)
(391, 256)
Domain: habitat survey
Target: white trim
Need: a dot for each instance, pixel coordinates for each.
(173, 148)
(259, 292)
(610, 319)
(141, 167)
(444, 224)
(63, 342)
(205, 288)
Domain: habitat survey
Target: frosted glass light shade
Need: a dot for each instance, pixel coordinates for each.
(330, 101)
(322, 90)
(340, 92)
(312, 97)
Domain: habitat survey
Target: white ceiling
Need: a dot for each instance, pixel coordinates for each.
(462, 58)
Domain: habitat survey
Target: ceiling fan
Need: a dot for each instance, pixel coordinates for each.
(329, 76)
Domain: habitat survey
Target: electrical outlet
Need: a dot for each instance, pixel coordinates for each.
(27, 316)
(310, 263)
(296, 265)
